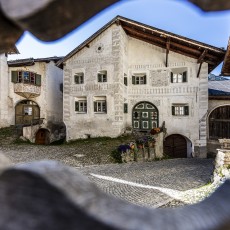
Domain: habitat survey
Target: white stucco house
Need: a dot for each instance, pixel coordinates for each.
(133, 76)
(31, 98)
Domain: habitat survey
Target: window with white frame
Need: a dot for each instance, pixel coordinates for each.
(139, 79)
(100, 105)
(102, 76)
(180, 110)
(180, 77)
(81, 105)
(79, 78)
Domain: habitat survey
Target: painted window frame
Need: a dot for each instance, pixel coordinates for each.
(180, 110)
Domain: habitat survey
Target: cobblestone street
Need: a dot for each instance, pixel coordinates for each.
(151, 184)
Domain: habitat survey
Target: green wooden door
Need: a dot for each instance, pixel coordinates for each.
(145, 116)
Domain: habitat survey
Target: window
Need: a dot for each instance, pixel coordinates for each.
(102, 76)
(139, 79)
(26, 77)
(81, 106)
(79, 78)
(179, 77)
(125, 81)
(180, 110)
(125, 107)
(100, 106)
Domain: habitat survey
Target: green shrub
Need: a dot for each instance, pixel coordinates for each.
(116, 155)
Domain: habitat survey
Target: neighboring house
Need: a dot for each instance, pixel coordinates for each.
(218, 116)
(32, 99)
(130, 76)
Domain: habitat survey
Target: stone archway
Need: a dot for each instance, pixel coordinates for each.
(175, 146)
(145, 116)
(27, 112)
(42, 137)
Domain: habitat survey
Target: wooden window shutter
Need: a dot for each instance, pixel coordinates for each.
(76, 105)
(185, 76)
(171, 77)
(14, 76)
(105, 107)
(145, 79)
(186, 110)
(95, 106)
(133, 80)
(125, 107)
(173, 110)
(38, 80)
(125, 81)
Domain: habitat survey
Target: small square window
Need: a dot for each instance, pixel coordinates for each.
(81, 106)
(180, 110)
(100, 107)
(79, 78)
(139, 79)
(102, 76)
(179, 77)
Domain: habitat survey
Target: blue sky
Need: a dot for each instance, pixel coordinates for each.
(176, 16)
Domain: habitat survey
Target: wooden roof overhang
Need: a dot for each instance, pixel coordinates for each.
(225, 71)
(172, 42)
(166, 40)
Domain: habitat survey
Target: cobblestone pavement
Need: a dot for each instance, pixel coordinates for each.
(151, 184)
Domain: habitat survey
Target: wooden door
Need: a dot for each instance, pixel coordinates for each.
(145, 116)
(175, 146)
(42, 137)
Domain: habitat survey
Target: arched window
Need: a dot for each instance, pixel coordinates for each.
(27, 112)
(219, 123)
(145, 116)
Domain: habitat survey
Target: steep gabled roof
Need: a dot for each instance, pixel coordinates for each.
(225, 71)
(172, 42)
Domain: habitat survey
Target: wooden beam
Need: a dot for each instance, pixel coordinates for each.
(167, 51)
(202, 56)
(198, 73)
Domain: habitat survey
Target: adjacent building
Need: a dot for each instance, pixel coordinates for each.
(131, 76)
(31, 98)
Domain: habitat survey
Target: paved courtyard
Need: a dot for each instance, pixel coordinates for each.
(151, 184)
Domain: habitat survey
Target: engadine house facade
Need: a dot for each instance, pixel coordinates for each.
(130, 76)
(31, 98)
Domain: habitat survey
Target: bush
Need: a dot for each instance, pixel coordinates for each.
(116, 155)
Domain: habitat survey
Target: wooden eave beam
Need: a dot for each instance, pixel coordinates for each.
(202, 56)
(167, 51)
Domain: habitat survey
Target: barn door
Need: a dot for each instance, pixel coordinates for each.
(175, 146)
(42, 137)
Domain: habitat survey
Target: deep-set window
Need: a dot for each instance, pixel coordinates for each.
(81, 106)
(139, 79)
(26, 77)
(79, 78)
(180, 110)
(102, 76)
(100, 106)
(179, 77)
(125, 107)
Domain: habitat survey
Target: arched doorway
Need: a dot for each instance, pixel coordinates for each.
(27, 112)
(145, 116)
(42, 137)
(175, 146)
(219, 123)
